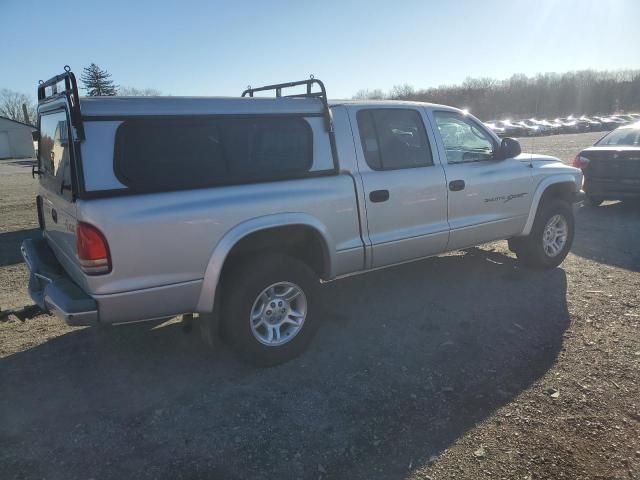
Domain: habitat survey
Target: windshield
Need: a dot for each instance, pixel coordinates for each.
(623, 137)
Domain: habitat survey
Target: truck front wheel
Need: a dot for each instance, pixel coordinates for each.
(551, 236)
(268, 308)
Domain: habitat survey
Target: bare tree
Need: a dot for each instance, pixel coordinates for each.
(402, 92)
(11, 106)
(376, 94)
(138, 92)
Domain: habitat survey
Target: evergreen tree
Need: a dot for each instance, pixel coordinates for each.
(97, 81)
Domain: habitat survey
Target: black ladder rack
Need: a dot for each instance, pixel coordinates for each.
(321, 95)
(70, 92)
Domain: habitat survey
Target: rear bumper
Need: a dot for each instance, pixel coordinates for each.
(613, 189)
(52, 289)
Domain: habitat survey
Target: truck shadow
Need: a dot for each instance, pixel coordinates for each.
(409, 360)
(10, 245)
(609, 234)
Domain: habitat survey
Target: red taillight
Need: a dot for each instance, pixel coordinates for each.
(93, 250)
(580, 161)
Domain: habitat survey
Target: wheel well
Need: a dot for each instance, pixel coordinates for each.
(298, 241)
(561, 191)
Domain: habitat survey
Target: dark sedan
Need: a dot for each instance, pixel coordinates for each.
(493, 125)
(609, 123)
(612, 166)
(593, 124)
(511, 129)
(568, 125)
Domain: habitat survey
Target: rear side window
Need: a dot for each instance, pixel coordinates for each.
(393, 138)
(168, 154)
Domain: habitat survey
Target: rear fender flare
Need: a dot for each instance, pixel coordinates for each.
(237, 233)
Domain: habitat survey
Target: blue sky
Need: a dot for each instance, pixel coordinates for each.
(218, 47)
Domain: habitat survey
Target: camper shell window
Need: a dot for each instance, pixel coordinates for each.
(169, 154)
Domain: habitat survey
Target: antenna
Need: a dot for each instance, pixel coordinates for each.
(533, 141)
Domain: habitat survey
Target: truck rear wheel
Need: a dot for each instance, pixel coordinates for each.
(551, 236)
(268, 308)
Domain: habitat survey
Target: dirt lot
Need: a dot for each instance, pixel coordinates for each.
(463, 366)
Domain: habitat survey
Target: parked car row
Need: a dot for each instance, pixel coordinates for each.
(532, 127)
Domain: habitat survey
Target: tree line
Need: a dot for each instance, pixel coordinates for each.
(547, 95)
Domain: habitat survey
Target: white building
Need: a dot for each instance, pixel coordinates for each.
(15, 139)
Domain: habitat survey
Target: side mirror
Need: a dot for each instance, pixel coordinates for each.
(509, 148)
(35, 134)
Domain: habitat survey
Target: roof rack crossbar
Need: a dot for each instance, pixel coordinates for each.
(69, 91)
(279, 86)
(304, 95)
(321, 95)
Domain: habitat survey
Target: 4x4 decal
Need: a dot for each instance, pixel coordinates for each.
(505, 198)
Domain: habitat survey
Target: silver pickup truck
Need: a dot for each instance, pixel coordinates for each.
(233, 209)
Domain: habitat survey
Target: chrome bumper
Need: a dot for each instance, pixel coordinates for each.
(52, 289)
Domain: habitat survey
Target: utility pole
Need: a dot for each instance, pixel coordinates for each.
(27, 120)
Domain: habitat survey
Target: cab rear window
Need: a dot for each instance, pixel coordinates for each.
(169, 154)
(54, 147)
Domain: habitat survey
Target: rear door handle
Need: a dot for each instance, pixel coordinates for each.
(456, 185)
(379, 196)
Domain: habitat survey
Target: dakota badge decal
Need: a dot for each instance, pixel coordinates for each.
(505, 198)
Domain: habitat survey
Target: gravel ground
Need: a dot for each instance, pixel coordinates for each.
(462, 366)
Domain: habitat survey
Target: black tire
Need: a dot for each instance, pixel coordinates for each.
(515, 244)
(209, 331)
(242, 286)
(594, 201)
(530, 249)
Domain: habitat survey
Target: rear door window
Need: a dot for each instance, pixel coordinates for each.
(54, 151)
(393, 139)
(170, 154)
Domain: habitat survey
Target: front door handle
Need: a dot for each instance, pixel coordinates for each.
(379, 196)
(456, 185)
